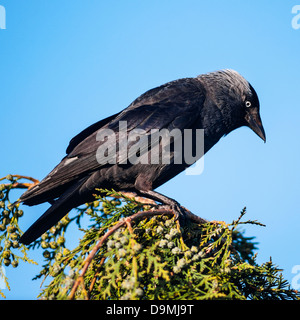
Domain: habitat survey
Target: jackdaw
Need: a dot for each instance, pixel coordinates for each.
(217, 102)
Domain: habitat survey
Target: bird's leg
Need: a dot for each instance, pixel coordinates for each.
(179, 211)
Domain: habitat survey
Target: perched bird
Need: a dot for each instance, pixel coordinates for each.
(217, 102)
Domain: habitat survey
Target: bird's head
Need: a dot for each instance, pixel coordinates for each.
(236, 99)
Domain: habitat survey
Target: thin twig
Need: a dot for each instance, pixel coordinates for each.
(18, 185)
(88, 260)
(35, 181)
(193, 217)
(21, 185)
(96, 274)
(126, 221)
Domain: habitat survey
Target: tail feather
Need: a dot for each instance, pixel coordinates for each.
(69, 200)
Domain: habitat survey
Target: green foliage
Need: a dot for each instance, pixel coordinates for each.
(11, 251)
(131, 251)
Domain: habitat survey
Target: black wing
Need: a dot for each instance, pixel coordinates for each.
(88, 131)
(173, 105)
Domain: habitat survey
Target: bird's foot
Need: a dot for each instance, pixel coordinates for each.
(179, 213)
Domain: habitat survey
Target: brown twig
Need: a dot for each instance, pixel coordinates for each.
(128, 223)
(97, 272)
(194, 218)
(124, 221)
(35, 181)
(18, 185)
(22, 185)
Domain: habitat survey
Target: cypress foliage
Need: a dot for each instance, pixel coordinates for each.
(133, 250)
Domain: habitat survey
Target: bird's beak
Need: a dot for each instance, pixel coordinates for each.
(254, 122)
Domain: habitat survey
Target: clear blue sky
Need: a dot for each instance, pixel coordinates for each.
(67, 64)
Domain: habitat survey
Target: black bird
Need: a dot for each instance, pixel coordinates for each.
(217, 102)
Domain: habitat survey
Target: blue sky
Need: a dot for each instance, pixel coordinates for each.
(67, 64)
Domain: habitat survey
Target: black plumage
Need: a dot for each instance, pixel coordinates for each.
(217, 102)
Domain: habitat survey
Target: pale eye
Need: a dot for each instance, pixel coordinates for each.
(248, 104)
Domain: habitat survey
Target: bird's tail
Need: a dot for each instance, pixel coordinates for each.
(58, 210)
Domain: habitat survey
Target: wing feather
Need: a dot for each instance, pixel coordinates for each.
(173, 105)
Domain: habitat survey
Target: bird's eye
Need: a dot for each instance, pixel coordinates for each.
(248, 104)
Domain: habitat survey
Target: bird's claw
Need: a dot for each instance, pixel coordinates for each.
(179, 213)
